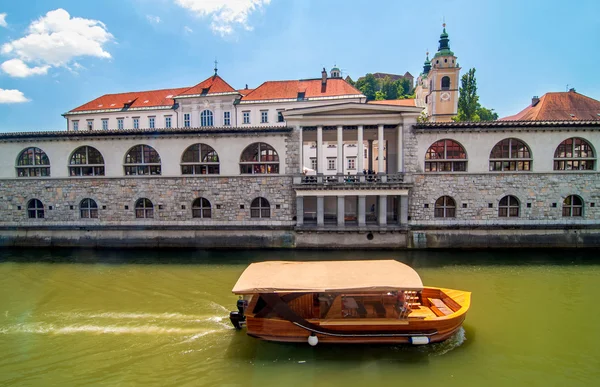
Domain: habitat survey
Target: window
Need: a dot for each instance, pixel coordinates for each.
(352, 163)
(574, 154)
(508, 207)
(445, 207)
(90, 124)
(86, 161)
(280, 116)
(331, 164)
(120, 123)
(33, 162)
(35, 209)
(260, 208)
(167, 121)
(206, 118)
(136, 123)
(446, 156)
(301, 95)
(246, 117)
(199, 159)
(105, 124)
(264, 116)
(144, 209)
(259, 158)
(510, 155)
(573, 206)
(186, 120)
(142, 160)
(75, 126)
(313, 163)
(88, 209)
(226, 118)
(201, 208)
(151, 122)
(446, 83)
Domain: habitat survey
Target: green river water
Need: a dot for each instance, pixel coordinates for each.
(126, 318)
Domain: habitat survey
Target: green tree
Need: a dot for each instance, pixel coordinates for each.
(468, 100)
(403, 88)
(380, 96)
(486, 114)
(367, 86)
(389, 88)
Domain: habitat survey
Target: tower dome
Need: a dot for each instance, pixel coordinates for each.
(444, 47)
(426, 65)
(335, 72)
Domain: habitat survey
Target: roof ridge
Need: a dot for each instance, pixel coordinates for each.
(145, 91)
(541, 102)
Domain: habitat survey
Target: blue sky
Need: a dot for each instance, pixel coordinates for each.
(57, 55)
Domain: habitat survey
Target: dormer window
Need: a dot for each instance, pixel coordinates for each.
(204, 91)
(301, 95)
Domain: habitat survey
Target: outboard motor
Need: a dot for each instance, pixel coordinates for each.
(238, 319)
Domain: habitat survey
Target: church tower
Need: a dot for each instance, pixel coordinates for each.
(441, 97)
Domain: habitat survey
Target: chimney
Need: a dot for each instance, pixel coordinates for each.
(324, 76)
(572, 90)
(535, 100)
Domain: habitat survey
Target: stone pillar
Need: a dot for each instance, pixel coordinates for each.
(194, 117)
(340, 149)
(399, 209)
(301, 150)
(320, 161)
(360, 159)
(403, 208)
(370, 155)
(362, 206)
(299, 210)
(400, 149)
(320, 211)
(380, 151)
(382, 210)
(341, 211)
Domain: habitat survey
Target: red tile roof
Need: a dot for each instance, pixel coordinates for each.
(245, 91)
(135, 99)
(560, 106)
(312, 88)
(395, 102)
(211, 85)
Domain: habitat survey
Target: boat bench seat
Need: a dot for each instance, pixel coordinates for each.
(439, 308)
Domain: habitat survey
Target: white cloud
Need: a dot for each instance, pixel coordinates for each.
(12, 96)
(3, 20)
(57, 38)
(153, 19)
(19, 69)
(225, 14)
(188, 29)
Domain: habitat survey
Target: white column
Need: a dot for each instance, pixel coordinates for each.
(320, 211)
(360, 159)
(380, 152)
(362, 206)
(299, 210)
(320, 161)
(340, 149)
(400, 149)
(340, 211)
(301, 150)
(194, 117)
(382, 210)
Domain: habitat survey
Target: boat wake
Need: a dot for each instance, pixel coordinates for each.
(453, 342)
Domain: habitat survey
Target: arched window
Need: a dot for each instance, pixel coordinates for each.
(201, 208)
(259, 158)
(446, 83)
(508, 207)
(206, 118)
(144, 209)
(260, 208)
(200, 159)
(86, 161)
(35, 209)
(142, 160)
(510, 154)
(446, 156)
(88, 209)
(445, 207)
(573, 206)
(574, 154)
(33, 162)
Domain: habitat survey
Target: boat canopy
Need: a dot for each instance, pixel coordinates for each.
(327, 276)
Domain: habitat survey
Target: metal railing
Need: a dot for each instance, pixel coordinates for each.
(379, 178)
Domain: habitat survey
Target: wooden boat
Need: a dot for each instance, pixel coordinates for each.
(345, 302)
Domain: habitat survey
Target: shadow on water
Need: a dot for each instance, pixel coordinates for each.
(416, 259)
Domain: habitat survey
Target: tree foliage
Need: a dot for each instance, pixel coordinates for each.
(469, 108)
(380, 89)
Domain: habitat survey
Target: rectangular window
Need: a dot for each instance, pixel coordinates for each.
(264, 116)
(136, 122)
(280, 116)
(331, 164)
(313, 163)
(105, 124)
(226, 118)
(119, 123)
(75, 125)
(352, 163)
(186, 120)
(167, 121)
(246, 116)
(151, 121)
(90, 124)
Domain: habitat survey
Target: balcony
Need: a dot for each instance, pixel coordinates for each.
(362, 180)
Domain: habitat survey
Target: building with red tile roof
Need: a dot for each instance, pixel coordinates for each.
(559, 106)
(304, 89)
(131, 100)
